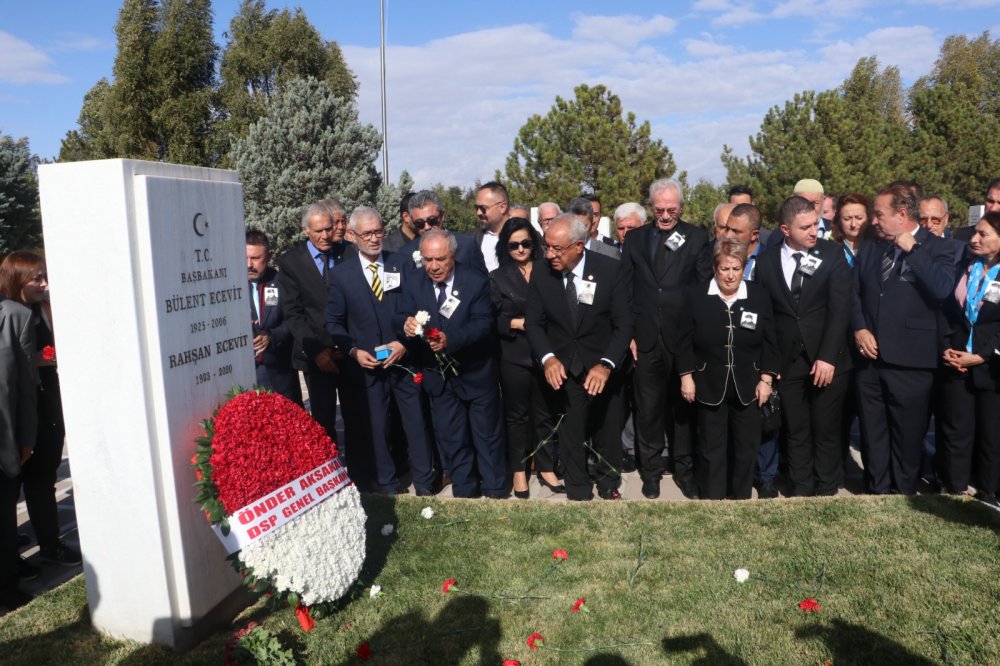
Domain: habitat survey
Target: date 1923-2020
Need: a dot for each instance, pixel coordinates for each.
(203, 377)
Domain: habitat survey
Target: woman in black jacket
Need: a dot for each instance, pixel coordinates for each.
(528, 400)
(727, 360)
(970, 418)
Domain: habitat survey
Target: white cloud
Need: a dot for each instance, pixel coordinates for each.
(627, 30)
(705, 48)
(22, 63)
(913, 49)
(75, 41)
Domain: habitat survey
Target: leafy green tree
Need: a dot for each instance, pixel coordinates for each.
(585, 145)
(265, 50)
(459, 206)
(20, 225)
(309, 146)
(700, 201)
(971, 67)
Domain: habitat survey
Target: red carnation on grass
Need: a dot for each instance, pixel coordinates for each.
(511, 662)
(434, 334)
(535, 641)
(448, 584)
(245, 630)
(305, 621)
(560, 554)
(364, 651)
(418, 378)
(49, 353)
(254, 427)
(579, 605)
(810, 605)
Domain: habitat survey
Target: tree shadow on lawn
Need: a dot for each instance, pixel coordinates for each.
(853, 644)
(957, 510)
(461, 626)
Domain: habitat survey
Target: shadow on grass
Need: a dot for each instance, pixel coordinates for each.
(606, 660)
(712, 652)
(462, 626)
(957, 510)
(853, 644)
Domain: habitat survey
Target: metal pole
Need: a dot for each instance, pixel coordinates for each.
(385, 127)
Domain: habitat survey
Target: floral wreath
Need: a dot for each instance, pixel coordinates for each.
(271, 483)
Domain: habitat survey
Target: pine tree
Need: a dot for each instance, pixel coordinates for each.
(309, 146)
(20, 225)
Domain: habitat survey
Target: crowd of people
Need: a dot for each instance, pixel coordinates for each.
(731, 360)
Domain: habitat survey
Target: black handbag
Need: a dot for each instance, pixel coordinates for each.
(770, 412)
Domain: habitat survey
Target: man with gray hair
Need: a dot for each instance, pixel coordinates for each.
(628, 216)
(547, 212)
(721, 217)
(455, 350)
(660, 261)
(426, 213)
(579, 327)
(364, 293)
(304, 279)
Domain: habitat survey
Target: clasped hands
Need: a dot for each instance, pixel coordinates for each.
(596, 380)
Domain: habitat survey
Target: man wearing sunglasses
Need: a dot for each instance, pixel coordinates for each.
(427, 212)
(406, 232)
(493, 211)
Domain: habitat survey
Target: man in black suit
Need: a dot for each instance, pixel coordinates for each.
(658, 262)
(579, 327)
(427, 212)
(406, 232)
(364, 294)
(272, 341)
(584, 208)
(992, 204)
(465, 397)
(493, 211)
(304, 278)
(810, 287)
(899, 284)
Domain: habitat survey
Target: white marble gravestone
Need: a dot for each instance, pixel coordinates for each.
(147, 272)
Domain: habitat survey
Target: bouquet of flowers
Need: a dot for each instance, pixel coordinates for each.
(446, 363)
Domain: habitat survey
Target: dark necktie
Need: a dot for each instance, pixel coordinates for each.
(260, 315)
(442, 294)
(659, 257)
(888, 262)
(797, 278)
(325, 258)
(571, 301)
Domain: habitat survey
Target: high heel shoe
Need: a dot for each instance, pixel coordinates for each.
(558, 489)
(522, 494)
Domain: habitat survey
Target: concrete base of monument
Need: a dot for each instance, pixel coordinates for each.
(181, 638)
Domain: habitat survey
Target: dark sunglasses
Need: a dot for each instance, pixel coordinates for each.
(526, 244)
(429, 221)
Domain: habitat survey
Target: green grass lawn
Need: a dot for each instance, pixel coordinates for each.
(900, 581)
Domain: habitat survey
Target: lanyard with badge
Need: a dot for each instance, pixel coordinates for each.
(986, 286)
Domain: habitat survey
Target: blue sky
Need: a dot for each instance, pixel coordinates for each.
(463, 78)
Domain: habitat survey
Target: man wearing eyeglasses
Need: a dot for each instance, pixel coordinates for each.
(493, 211)
(363, 298)
(427, 212)
(659, 261)
(547, 212)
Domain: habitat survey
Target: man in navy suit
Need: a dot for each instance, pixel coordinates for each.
(427, 212)
(272, 341)
(364, 293)
(899, 284)
(304, 279)
(579, 326)
(456, 349)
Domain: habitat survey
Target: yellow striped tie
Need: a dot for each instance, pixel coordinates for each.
(376, 283)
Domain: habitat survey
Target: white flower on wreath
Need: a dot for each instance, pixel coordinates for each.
(741, 575)
(427, 512)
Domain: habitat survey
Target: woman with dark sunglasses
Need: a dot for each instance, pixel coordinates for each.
(528, 400)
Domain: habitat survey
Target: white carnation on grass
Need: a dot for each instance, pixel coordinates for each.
(427, 512)
(319, 554)
(374, 591)
(741, 575)
(387, 529)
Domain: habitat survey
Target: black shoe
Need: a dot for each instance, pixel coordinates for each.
(609, 494)
(26, 570)
(15, 598)
(988, 499)
(23, 539)
(766, 490)
(522, 494)
(61, 554)
(628, 464)
(424, 492)
(559, 490)
(688, 488)
(651, 489)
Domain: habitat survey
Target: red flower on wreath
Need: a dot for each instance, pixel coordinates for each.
(578, 606)
(448, 584)
(305, 620)
(418, 378)
(810, 605)
(434, 334)
(49, 353)
(364, 651)
(511, 662)
(560, 554)
(535, 641)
